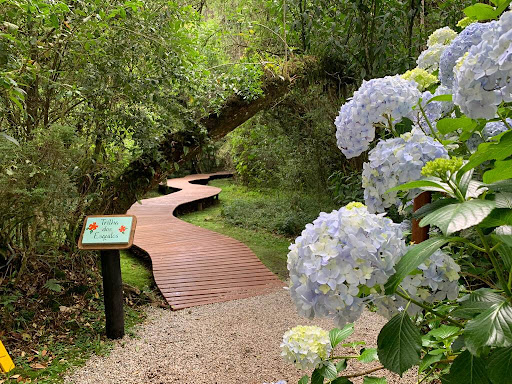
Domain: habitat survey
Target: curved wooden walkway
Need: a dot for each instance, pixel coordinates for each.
(192, 265)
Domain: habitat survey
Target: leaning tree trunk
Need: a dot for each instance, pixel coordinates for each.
(146, 172)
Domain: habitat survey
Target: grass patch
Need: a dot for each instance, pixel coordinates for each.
(260, 218)
(135, 272)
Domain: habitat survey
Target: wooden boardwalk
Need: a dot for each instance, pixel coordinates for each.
(192, 265)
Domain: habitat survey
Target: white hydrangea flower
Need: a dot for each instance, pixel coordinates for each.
(469, 37)
(434, 280)
(396, 161)
(441, 36)
(306, 346)
(373, 103)
(429, 59)
(336, 255)
(484, 78)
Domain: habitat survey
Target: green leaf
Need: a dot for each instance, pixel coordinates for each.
(304, 380)
(497, 218)
(434, 206)
(480, 12)
(374, 380)
(341, 365)
(505, 253)
(336, 335)
(399, 344)
(500, 186)
(503, 200)
(502, 170)
(423, 184)
(504, 234)
(449, 125)
(329, 371)
(368, 355)
(491, 328)
(443, 332)
(454, 217)
(490, 151)
(416, 255)
(467, 369)
(341, 380)
(428, 360)
(470, 309)
(440, 98)
(53, 285)
(499, 365)
(317, 377)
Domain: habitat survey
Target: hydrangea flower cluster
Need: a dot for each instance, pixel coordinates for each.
(374, 102)
(306, 346)
(429, 59)
(490, 130)
(336, 255)
(441, 36)
(396, 161)
(421, 77)
(435, 280)
(469, 37)
(483, 80)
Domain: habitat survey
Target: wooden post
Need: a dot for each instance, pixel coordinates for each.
(420, 234)
(113, 292)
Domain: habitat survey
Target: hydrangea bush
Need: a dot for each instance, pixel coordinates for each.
(448, 298)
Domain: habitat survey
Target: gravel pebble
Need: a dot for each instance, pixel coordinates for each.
(228, 343)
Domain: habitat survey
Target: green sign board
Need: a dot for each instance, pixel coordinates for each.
(107, 230)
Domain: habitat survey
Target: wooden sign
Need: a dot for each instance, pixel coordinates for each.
(107, 232)
(6, 363)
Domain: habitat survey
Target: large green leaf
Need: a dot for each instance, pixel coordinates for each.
(481, 11)
(329, 371)
(504, 234)
(449, 125)
(470, 309)
(497, 218)
(500, 186)
(467, 369)
(434, 206)
(491, 328)
(502, 171)
(341, 380)
(490, 151)
(444, 331)
(499, 365)
(317, 377)
(427, 185)
(416, 255)
(304, 380)
(337, 335)
(428, 360)
(399, 344)
(454, 217)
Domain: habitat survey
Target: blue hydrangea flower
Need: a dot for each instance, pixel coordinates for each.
(490, 130)
(469, 37)
(436, 280)
(373, 103)
(336, 255)
(483, 77)
(396, 161)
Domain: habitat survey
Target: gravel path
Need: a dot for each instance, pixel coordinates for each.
(225, 343)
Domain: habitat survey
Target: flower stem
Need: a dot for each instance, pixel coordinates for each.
(365, 372)
(426, 307)
(504, 120)
(429, 123)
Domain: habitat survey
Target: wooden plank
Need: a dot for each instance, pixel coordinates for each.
(194, 266)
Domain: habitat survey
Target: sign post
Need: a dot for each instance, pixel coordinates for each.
(108, 234)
